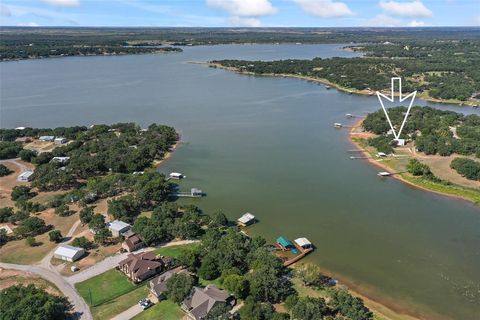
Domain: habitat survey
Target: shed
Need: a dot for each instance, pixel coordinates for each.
(68, 253)
(284, 243)
(60, 159)
(60, 140)
(47, 138)
(25, 176)
(246, 219)
(303, 242)
(118, 227)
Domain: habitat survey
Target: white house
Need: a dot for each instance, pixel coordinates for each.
(47, 138)
(118, 227)
(25, 176)
(60, 140)
(246, 219)
(68, 253)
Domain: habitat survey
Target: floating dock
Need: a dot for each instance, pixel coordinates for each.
(194, 193)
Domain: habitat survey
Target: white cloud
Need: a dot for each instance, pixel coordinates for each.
(382, 20)
(325, 8)
(245, 22)
(411, 9)
(28, 24)
(5, 11)
(244, 8)
(416, 23)
(63, 3)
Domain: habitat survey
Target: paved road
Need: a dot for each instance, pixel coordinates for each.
(79, 305)
(129, 313)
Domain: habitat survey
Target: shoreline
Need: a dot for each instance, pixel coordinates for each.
(157, 163)
(332, 85)
(387, 167)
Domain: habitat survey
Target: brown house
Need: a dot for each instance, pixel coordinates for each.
(203, 300)
(141, 266)
(158, 285)
(133, 243)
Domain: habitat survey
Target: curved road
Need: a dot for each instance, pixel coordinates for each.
(81, 308)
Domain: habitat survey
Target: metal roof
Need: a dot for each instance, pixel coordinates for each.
(302, 242)
(67, 251)
(284, 242)
(246, 217)
(118, 225)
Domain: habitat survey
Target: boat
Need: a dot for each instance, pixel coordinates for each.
(384, 174)
(327, 87)
(337, 125)
(349, 115)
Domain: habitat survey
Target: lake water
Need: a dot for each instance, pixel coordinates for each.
(268, 146)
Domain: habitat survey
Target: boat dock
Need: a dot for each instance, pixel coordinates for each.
(358, 157)
(194, 193)
(299, 247)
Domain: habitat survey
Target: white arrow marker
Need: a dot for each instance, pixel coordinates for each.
(401, 99)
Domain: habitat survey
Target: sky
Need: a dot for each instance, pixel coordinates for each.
(240, 13)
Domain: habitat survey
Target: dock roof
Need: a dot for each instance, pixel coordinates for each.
(247, 217)
(303, 242)
(284, 242)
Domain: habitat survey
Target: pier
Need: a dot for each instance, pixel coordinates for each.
(194, 193)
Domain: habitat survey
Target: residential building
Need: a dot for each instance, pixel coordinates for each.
(68, 253)
(133, 243)
(203, 300)
(118, 227)
(61, 160)
(158, 285)
(140, 266)
(60, 140)
(47, 138)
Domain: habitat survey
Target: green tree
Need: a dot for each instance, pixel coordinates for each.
(55, 236)
(86, 215)
(30, 241)
(5, 214)
(254, 310)
(209, 268)
(3, 237)
(237, 285)
(4, 171)
(29, 302)
(22, 193)
(308, 308)
(63, 210)
(219, 219)
(27, 155)
(102, 236)
(83, 242)
(221, 311)
(350, 307)
(311, 275)
(179, 287)
(31, 226)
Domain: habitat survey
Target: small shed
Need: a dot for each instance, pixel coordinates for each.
(60, 159)
(118, 227)
(60, 140)
(303, 243)
(400, 142)
(68, 253)
(284, 243)
(25, 176)
(246, 219)
(47, 138)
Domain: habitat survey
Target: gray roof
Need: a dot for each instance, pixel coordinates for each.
(159, 284)
(201, 302)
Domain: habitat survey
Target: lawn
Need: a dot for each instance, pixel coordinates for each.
(117, 305)
(174, 251)
(165, 310)
(104, 287)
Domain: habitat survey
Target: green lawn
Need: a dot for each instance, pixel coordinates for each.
(104, 287)
(117, 305)
(174, 251)
(165, 310)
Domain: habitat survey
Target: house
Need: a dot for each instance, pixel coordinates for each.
(25, 176)
(133, 243)
(303, 243)
(158, 286)
(68, 253)
(61, 160)
(118, 227)
(60, 140)
(140, 266)
(203, 300)
(47, 138)
(246, 219)
(400, 142)
(23, 139)
(284, 243)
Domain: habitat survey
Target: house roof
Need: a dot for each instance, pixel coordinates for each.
(246, 217)
(118, 225)
(303, 242)
(25, 174)
(284, 242)
(68, 251)
(133, 241)
(203, 300)
(159, 284)
(139, 264)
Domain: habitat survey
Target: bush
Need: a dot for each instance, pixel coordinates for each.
(468, 168)
(55, 236)
(179, 287)
(22, 193)
(31, 241)
(9, 150)
(4, 171)
(27, 155)
(5, 214)
(83, 242)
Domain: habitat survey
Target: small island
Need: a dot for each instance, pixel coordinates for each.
(441, 151)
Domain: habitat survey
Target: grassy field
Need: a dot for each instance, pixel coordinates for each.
(119, 304)
(165, 310)
(173, 251)
(105, 287)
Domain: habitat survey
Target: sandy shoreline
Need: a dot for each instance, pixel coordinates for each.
(328, 83)
(168, 155)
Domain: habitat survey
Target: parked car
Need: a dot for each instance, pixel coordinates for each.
(145, 303)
